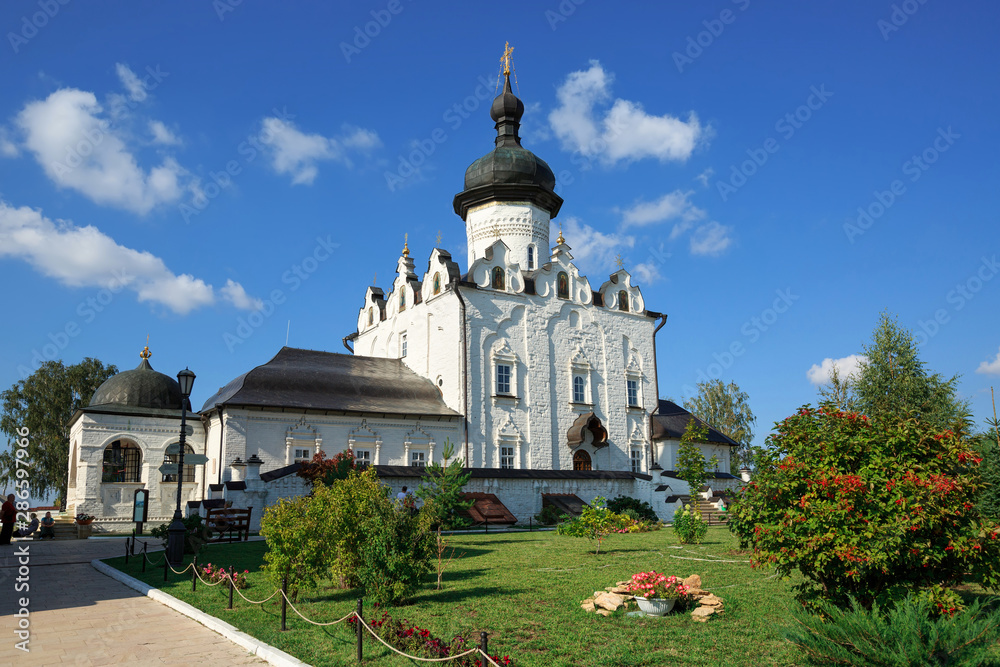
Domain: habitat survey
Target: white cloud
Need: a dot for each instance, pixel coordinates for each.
(297, 153)
(625, 132)
(132, 84)
(673, 205)
(79, 148)
(711, 239)
(704, 176)
(592, 250)
(162, 134)
(990, 367)
(646, 273)
(847, 367)
(85, 257)
(7, 147)
(236, 295)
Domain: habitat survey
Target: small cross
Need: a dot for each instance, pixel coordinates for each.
(619, 261)
(375, 278)
(505, 58)
(496, 229)
(439, 239)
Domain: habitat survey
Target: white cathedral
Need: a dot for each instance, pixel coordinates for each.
(545, 386)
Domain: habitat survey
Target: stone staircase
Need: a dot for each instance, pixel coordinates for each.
(711, 513)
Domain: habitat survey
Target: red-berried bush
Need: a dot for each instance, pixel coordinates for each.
(869, 510)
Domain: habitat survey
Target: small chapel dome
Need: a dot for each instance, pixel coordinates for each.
(141, 387)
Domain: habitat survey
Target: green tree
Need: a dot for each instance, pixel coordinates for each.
(893, 383)
(839, 392)
(691, 464)
(595, 522)
(867, 509)
(727, 408)
(441, 489)
(988, 446)
(44, 402)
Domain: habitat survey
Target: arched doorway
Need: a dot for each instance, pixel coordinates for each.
(581, 460)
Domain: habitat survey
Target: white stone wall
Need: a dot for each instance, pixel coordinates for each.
(519, 224)
(92, 433)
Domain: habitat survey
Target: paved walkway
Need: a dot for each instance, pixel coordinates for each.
(78, 616)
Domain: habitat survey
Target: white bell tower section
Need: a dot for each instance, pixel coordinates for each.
(523, 226)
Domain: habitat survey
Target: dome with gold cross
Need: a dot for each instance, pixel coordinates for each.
(509, 172)
(141, 387)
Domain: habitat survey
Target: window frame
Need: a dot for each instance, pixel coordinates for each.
(579, 393)
(189, 472)
(632, 390)
(418, 459)
(403, 346)
(636, 459)
(509, 366)
(531, 257)
(132, 464)
(507, 456)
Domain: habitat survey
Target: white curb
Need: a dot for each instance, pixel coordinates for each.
(253, 645)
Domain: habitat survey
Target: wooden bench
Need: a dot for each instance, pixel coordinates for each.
(228, 524)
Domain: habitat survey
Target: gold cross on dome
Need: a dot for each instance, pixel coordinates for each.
(505, 58)
(560, 240)
(375, 278)
(439, 239)
(619, 261)
(406, 245)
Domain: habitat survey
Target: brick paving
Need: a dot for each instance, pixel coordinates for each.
(79, 616)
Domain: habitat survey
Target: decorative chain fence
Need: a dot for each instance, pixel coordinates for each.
(229, 577)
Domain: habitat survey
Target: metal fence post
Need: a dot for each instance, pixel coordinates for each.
(194, 574)
(126, 551)
(284, 600)
(483, 645)
(360, 629)
(232, 585)
(143, 556)
(166, 566)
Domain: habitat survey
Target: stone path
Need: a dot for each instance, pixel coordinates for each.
(78, 616)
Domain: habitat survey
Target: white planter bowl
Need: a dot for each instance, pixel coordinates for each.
(655, 607)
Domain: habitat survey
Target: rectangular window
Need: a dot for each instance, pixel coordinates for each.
(417, 460)
(402, 346)
(362, 456)
(301, 455)
(507, 457)
(632, 389)
(579, 395)
(636, 460)
(503, 379)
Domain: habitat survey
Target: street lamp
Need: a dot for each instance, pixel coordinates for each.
(177, 532)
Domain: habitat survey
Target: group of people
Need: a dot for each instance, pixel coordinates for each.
(8, 517)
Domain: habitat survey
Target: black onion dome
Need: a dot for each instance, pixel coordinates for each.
(141, 387)
(509, 172)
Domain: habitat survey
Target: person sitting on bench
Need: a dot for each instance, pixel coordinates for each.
(31, 528)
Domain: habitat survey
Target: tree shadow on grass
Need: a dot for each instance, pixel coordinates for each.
(458, 595)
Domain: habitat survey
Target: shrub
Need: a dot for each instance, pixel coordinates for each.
(860, 507)
(328, 471)
(596, 522)
(395, 553)
(550, 515)
(906, 634)
(194, 536)
(299, 534)
(689, 526)
(420, 642)
(640, 508)
(213, 574)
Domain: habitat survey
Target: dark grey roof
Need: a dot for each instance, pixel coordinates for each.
(312, 380)
(278, 473)
(141, 387)
(509, 473)
(717, 475)
(671, 420)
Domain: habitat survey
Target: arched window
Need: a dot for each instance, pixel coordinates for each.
(437, 283)
(531, 257)
(579, 395)
(122, 463)
(581, 460)
(402, 298)
(498, 278)
(371, 315)
(562, 285)
(623, 301)
(188, 468)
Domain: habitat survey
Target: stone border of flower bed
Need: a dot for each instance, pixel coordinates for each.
(616, 597)
(258, 648)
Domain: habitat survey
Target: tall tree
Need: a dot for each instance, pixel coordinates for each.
(691, 464)
(839, 392)
(893, 382)
(44, 402)
(727, 408)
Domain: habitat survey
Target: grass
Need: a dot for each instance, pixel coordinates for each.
(525, 590)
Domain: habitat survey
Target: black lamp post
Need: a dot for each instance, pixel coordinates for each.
(177, 531)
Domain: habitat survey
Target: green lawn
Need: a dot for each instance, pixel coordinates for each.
(525, 590)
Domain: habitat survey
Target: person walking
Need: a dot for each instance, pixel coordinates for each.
(8, 515)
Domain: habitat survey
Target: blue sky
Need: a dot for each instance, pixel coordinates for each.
(774, 177)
